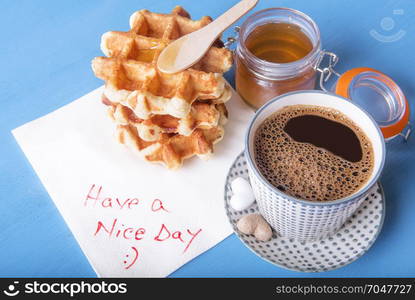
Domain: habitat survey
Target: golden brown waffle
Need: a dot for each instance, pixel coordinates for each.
(171, 150)
(133, 79)
(202, 115)
(165, 118)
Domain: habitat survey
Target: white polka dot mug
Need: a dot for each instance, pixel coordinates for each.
(300, 219)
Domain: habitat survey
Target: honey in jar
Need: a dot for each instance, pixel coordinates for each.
(278, 42)
(277, 52)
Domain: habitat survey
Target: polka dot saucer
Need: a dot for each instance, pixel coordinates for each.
(352, 241)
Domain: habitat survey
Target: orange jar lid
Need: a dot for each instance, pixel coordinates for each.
(379, 95)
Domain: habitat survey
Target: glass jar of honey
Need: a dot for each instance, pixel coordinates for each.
(277, 52)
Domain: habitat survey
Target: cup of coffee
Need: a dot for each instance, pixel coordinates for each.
(312, 159)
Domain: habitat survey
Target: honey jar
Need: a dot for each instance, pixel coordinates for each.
(278, 51)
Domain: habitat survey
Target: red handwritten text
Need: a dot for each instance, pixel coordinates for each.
(117, 230)
(157, 205)
(186, 237)
(95, 198)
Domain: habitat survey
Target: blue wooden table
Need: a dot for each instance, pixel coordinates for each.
(45, 57)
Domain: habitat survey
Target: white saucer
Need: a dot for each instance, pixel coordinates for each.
(352, 241)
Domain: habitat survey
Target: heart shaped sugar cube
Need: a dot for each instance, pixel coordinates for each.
(242, 197)
(255, 224)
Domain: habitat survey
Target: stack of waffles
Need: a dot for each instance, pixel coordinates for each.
(165, 118)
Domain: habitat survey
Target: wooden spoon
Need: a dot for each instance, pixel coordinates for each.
(190, 48)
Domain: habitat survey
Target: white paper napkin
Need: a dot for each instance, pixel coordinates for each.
(130, 217)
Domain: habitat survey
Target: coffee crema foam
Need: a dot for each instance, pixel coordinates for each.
(303, 170)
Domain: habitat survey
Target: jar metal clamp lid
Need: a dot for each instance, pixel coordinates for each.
(375, 92)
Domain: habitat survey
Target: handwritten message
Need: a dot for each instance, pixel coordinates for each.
(118, 229)
(130, 218)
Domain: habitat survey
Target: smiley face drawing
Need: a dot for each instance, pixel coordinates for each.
(388, 24)
(133, 260)
(11, 290)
